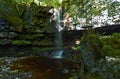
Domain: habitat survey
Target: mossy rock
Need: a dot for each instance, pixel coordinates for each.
(93, 44)
(21, 42)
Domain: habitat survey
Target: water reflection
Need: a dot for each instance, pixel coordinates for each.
(44, 67)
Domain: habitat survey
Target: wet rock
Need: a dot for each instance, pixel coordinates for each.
(7, 73)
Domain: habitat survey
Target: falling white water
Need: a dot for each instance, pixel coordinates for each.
(58, 54)
(58, 20)
(58, 35)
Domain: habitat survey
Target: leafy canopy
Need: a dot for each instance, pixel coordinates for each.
(87, 9)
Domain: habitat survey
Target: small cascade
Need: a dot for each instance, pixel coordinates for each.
(57, 54)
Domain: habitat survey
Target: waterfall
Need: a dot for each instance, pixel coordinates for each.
(58, 35)
(57, 54)
(58, 30)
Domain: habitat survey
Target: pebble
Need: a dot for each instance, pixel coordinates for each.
(7, 73)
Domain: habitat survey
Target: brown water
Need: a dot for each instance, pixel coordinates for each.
(44, 67)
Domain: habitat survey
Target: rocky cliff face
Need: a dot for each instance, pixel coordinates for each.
(6, 32)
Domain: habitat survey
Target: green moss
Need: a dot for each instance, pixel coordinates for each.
(21, 42)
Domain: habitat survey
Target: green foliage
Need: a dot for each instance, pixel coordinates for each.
(90, 65)
(40, 17)
(92, 43)
(23, 1)
(111, 45)
(89, 53)
(83, 8)
(54, 3)
(88, 9)
(18, 15)
(113, 8)
(21, 42)
(25, 16)
(108, 69)
(109, 51)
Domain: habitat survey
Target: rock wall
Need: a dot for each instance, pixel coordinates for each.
(14, 43)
